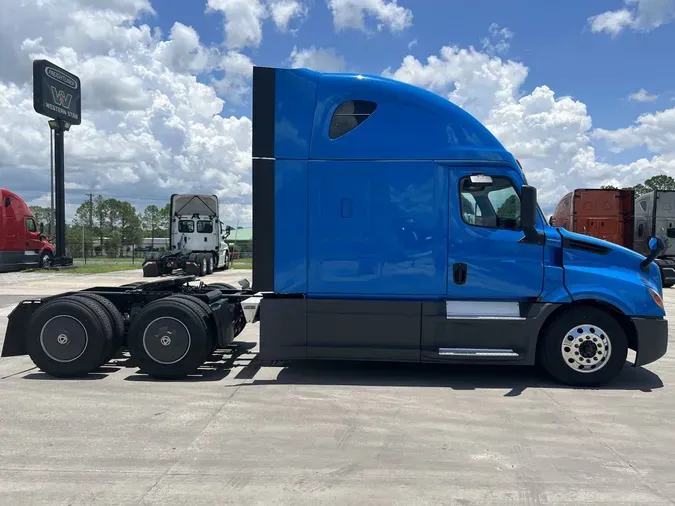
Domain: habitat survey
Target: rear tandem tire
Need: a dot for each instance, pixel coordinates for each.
(209, 264)
(116, 319)
(69, 336)
(170, 338)
(584, 346)
(201, 262)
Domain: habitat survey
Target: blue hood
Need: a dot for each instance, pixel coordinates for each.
(601, 270)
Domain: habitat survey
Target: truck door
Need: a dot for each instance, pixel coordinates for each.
(487, 256)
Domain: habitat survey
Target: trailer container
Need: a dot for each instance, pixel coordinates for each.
(605, 214)
(389, 224)
(655, 217)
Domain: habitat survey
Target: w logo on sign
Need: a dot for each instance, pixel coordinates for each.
(61, 98)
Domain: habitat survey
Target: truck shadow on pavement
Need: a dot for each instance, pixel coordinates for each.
(241, 367)
(457, 377)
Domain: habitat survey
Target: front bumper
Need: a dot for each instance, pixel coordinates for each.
(652, 339)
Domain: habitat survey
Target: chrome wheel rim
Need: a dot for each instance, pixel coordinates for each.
(586, 348)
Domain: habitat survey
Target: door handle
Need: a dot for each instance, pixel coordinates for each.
(459, 273)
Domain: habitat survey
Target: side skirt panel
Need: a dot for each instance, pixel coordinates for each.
(406, 331)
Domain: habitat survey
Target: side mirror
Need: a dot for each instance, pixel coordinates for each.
(42, 227)
(528, 213)
(671, 233)
(656, 247)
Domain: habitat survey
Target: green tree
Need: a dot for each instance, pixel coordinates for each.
(510, 208)
(100, 216)
(130, 230)
(151, 222)
(660, 182)
(42, 215)
(165, 221)
(608, 187)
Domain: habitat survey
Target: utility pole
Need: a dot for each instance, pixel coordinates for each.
(91, 220)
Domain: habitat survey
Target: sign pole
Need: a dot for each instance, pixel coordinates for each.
(51, 179)
(57, 95)
(60, 183)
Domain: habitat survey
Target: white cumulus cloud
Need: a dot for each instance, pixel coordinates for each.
(243, 21)
(387, 13)
(642, 96)
(149, 127)
(498, 41)
(551, 135)
(320, 59)
(284, 11)
(639, 15)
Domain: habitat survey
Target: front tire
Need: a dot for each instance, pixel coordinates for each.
(584, 346)
(46, 259)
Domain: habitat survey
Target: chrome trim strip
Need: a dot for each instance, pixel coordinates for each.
(477, 352)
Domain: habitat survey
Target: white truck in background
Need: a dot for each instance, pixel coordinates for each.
(197, 239)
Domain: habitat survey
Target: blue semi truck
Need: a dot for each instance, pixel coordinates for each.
(390, 225)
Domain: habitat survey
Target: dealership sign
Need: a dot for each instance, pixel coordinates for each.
(56, 92)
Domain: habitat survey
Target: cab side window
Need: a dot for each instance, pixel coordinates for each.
(30, 225)
(491, 205)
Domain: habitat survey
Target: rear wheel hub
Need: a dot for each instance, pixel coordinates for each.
(166, 340)
(63, 338)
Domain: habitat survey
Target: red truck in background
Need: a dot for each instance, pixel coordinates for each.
(605, 214)
(22, 245)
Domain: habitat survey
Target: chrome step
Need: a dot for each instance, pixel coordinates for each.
(477, 352)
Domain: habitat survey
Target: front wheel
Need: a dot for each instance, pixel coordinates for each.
(46, 259)
(584, 346)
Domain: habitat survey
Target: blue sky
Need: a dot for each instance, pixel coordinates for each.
(581, 92)
(553, 39)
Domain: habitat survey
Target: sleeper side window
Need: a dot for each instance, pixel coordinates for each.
(186, 226)
(349, 115)
(493, 204)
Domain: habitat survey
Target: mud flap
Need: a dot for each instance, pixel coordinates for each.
(17, 328)
(150, 269)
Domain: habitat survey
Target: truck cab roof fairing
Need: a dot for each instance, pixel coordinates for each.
(407, 123)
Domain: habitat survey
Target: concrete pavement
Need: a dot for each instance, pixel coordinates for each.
(335, 433)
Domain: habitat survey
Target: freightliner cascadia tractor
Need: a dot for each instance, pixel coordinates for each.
(391, 225)
(197, 239)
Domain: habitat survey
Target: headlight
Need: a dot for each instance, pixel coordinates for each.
(657, 298)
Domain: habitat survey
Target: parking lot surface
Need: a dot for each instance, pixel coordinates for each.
(335, 433)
